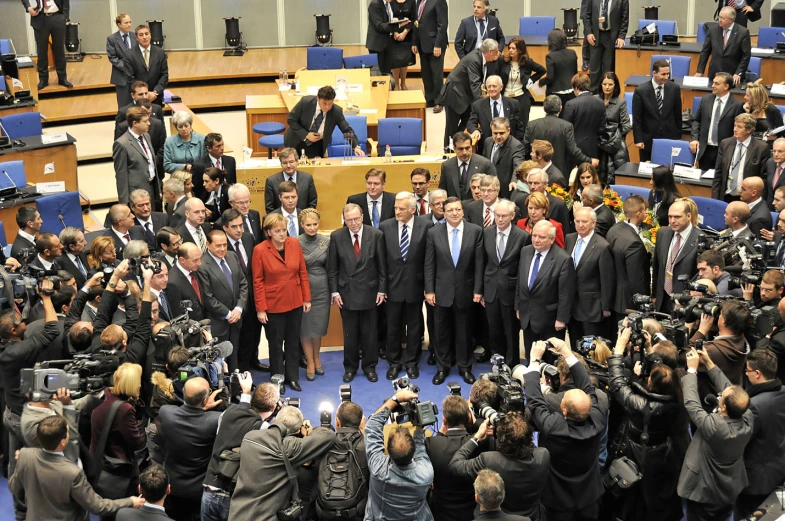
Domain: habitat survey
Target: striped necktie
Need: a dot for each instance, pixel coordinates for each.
(404, 241)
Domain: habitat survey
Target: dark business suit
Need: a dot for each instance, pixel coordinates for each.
(66, 263)
(156, 75)
(300, 120)
(560, 65)
(684, 264)
(605, 219)
(116, 51)
(228, 165)
(380, 29)
(159, 219)
(741, 16)
(45, 27)
(131, 167)
(466, 39)
(143, 513)
(452, 498)
(474, 212)
(631, 264)
(648, 123)
(586, 113)
(183, 284)
(136, 233)
(595, 280)
(550, 297)
(173, 296)
(555, 176)
(306, 191)
(451, 180)
(499, 282)
(561, 135)
(454, 286)
(405, 289)
(701, 126)
(219, 204)
(221, 297)
(602, 56)
(250, 328)
(506, 161)
(757, 155)
(771, 172)
(760, 219)
(482, 115)
(429, 33)
(462, 88)
(387, 211)
(358, 280)
(183, 232)
(158, 113)
(22, 248)
(732, 57)
(176, 214)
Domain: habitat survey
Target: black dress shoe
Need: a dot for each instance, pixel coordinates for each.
(485, 356)
(348, 377)
(468, 377)
(392, 372)
(413, 373)
(431, 358)
(303, 362)
(294, 386)
(259, 366)
(65, 83)
(382, 354)
(439, 377)
(42, 84)
(372, 376)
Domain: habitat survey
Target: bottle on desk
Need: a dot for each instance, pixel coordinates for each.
(303, 159)
(285, 77)
(388, 155)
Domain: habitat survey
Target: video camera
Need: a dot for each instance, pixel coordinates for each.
(414, 411)
(746, 258)
(508, 390)
(84, 374)
(206, 361)
(150, 262)
(181, 332)
(22, 283)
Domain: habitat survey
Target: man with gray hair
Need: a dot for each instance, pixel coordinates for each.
(240, 200)
(738, 158)
(174, 196)
(464, 86)
(560, 134)
(489, 495)
(144, 216)
(122, 229)
(728, 44)
(261, 499)
(592, 197)
(504, 151)
(73, 258)
(537, 179)
(485, 110)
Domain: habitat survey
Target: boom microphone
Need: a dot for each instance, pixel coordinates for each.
(225, 348)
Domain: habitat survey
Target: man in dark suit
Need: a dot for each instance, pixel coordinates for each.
(122, 229)
(474, 29)
(144, 216)
(747, 10)
(675, 254)
(594, 276)
(586, 113)
(429, 39)
(134, 158)
(713, 121)
(483, 111)
(147, 63)
(225, 291)
(306, 189)
(194, 229)
(503, 243)
(728, 44)
(167, 295)
(73, 258)
(312, 123)
(434, 218)
(138, 91)
(591, 197)
(214, 158)
(630, 258)
(404, 245)
(458, 171)
(381, 25)
(156, 133)
(542, 152)
(713, 473)
(454, 266)
(489, 494)
(376, 204)
(153, 487)
(738, 158)
(559, 133)
(505, 153)
(174, 196)
(169, 242)
(605, 31)
(29, 221)
(538, 182)
(183, 276)
(117, 46)
(648, 120)
(48, 20)
(481, 211)
(464, 86)
(774, 170)
(240, 200)
(49, 249)
(288, 198)
(357, 276)
(751, 193)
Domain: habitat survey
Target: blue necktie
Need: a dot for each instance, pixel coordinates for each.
(404, 242)
(375, 214)
(81, 267)
(228, 273)
(317, 122)
(500, 249)
(482, 31)
(455, 248)
(125, 39)
(164, 305)
(292, 227)
(535, 270)
(576, 254)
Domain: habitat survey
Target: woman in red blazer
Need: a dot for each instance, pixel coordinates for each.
(537, 206)
(282, 292)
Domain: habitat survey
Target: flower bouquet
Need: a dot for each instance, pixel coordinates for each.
(649, 234)
(561, 193)
(612, 200)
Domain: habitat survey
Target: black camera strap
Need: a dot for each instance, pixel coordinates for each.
(295, 495)
(100, 448)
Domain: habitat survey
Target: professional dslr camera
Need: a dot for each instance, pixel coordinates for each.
(150, 262)
(745, 258)
(21, 284)
(508, 389)
(414, 411)
(84, 374)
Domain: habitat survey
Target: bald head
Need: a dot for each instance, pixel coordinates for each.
(196, 391)
(751, 189)
(737, 213)
(576, 405)
(195, 211)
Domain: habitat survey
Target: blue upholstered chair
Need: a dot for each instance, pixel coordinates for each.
(680, 65)
(628, 99)
(360, 126)
(23, 125)
(625, 191)
(363, 61)
(52, 207)
(16, 171)
(324, 58)
(661, 152)
(3, 241)
(536, 25)
(663, 26)
(404, 135)
(712, 211)
(769, 36)
(696, 101)
(703, 30)
(754, 67)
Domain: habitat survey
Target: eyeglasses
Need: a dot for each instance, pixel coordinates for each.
(488, 190)
(354, 220)
(437, 205)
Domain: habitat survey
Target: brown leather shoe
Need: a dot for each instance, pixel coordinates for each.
(437, 109)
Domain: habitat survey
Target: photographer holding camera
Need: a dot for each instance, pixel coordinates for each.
(571, 436)
(728, 348)
(399, 482)
(711, 266)
(775, 341)
(770, 291)
(271, 497)
(651, 408)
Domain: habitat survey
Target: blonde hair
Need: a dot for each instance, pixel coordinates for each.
(271, 221)
(539, 200)
(97, 249)
(759, 98)
(693, 207)
(127, 380)
(310, 212)
(184, 176)
(522, 172)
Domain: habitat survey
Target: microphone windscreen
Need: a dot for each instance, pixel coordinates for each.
(225, 347)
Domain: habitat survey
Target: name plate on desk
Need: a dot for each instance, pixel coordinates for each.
(689, 173)
(51, 139)
(778, 88)
(646, 168)
(695, 81)
(53, 187)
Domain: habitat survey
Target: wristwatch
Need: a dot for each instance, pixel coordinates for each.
(111, 285)
(692, 371)
(394, 398)
(536, 361)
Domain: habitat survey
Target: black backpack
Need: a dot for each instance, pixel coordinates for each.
(342, 490)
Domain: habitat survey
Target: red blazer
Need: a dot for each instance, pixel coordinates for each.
(280, 286)
(559, 239)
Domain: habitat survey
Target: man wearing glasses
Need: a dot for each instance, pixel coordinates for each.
(306, 189)
(240, 200)
(421, 180)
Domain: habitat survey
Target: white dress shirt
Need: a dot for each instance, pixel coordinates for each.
(724, 101)
(194, 233)
(583, 247)
(27, 236)
(499, 105)
(741, 158)
(409, 225)
(378, 206)
(122, 235)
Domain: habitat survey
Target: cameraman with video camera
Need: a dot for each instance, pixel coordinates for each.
(652, 408)
(571, 436)
(728, 348)
(769, 292)
(711, 266)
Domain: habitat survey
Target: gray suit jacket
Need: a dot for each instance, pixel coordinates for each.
(713, 470)
(56, 489)
(306, 191)
(219, 299)
(130, 166)
(450, 179)
(116, 51)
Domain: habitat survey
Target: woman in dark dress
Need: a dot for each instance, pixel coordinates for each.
(400, 55)
(616, 125)
(515, 71)
(768, 116)
(663, 193)
(561, 65)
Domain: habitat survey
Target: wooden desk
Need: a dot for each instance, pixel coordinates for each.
(36, 156)
(17, 108)
(198, 125)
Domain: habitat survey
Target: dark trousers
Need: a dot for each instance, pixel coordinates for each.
(645, 153)
(708, 158)
(601, 58)
(454, 122)
(564, 99)
(706, 511)
(123, 95)
(504, 328)
(585, 54)
(53, 26)
(432, 71)
(381, 327)
(250, 333)
(580, 329)
(233, 336)
(590, 513)
(283, 339)
(747, 504)
(741, 17)
(359, 333)
(530, 336)
(525, 104)
(182, 508)
(313, 150)
(454, 329)
(400, 316)
(730, 198)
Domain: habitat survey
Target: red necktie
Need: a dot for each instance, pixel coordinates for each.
(732, 3)
(777, 176)
(487, 221)
(422, 6)
(218, 164)
(422, 206)
(671, 262)
(239, 255)
(127, 238)
(356, 245)
(195, 285)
